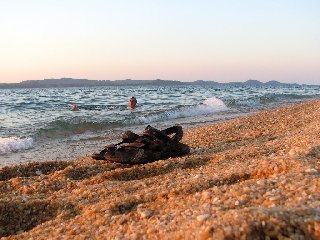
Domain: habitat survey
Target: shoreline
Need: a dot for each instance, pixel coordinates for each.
(251, 177)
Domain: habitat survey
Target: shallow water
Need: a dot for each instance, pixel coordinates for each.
(38, 125)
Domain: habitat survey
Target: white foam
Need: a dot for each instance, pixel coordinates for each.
(210, 105)
(14, 144)
(216, 103)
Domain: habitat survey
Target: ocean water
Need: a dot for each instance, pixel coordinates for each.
(38, 125)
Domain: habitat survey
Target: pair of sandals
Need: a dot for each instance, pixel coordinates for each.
(151, 146)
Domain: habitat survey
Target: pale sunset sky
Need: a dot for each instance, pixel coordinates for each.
(186, 40)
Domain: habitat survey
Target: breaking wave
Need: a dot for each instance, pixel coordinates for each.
(210, 105)
(271, 98)
(14, 144)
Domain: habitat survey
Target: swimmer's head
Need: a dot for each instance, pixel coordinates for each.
(132, 102)
(74, 107)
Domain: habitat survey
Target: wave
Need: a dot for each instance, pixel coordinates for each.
(268, 99)
(210, 105)
(64, 128)
(14, 144)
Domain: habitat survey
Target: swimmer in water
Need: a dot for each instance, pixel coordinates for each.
(132, 103)
(74, 107)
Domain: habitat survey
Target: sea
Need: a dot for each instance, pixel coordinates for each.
(38, 125)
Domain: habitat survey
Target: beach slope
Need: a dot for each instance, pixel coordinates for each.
(255, 177)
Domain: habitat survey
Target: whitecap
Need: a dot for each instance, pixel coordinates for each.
(14, 144)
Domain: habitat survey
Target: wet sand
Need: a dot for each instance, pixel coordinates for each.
(255, 177)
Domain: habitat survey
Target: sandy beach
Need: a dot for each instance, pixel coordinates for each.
(255, 177)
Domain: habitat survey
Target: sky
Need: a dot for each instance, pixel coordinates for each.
(185, 40)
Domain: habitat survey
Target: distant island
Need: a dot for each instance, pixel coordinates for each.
(71, 82)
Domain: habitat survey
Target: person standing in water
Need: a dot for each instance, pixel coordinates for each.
(132, 103)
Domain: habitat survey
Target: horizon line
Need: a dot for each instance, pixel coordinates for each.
(158, 79)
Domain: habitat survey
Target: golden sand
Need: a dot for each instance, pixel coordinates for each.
(255, 177)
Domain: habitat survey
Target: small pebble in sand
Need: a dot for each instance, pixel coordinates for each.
(203, 217)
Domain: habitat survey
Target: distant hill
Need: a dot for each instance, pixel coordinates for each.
(71, 82)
